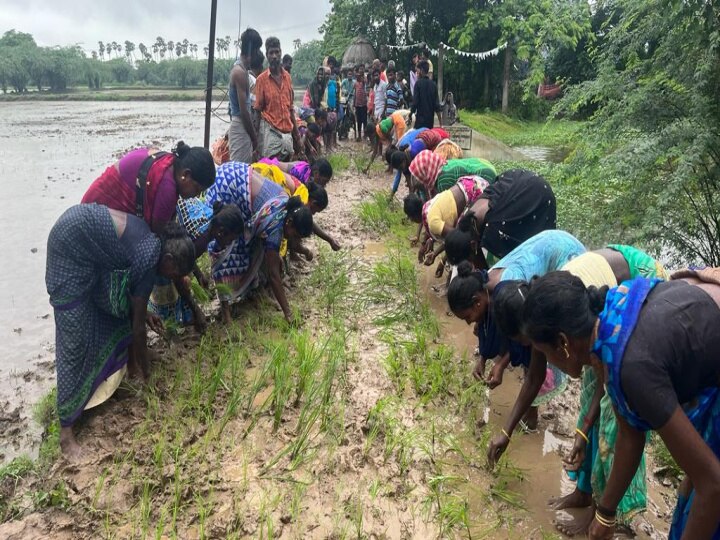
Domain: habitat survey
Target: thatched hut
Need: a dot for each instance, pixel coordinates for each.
(360, 51)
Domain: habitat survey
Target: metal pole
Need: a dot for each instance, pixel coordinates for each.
(211, 63)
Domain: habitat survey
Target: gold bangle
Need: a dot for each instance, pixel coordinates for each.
(505, 433)
(580, 432)
(604, 521)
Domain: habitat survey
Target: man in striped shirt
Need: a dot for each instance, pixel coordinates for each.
(394, 93)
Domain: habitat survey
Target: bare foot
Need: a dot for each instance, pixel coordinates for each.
(72, 451)
(226, 314)
(577, 526)
(576, 499)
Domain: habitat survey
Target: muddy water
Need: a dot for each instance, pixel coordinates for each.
(50, 153)
(537, 455)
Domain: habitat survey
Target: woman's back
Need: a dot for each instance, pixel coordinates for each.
(545, 252)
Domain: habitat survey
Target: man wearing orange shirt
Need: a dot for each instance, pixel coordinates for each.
(274, 100)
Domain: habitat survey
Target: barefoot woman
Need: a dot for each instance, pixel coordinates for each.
(593, 452)
(101, 267)
(657, 346)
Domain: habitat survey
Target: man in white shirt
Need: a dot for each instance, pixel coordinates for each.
(380, 91)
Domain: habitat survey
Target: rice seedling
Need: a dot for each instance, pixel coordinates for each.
(454, 512)
(331, 279)
(282, 378)
(307, 362)
(355, 512)
(374, 489)
(199, 293)
(381, 213)
(339, 162)
(296, 501)
(145, 508)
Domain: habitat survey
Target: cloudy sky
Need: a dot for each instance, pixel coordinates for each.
(85, 22)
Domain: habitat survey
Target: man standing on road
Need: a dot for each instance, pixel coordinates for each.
(242, 137)
(380, 93)
(274, 101)
(287, 62)
(425, 99)
(394, 93)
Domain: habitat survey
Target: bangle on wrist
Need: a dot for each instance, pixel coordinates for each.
(505, 433)
(582, 434)
(609, 523)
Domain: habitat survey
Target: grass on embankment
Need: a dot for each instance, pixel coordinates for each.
(514, 132)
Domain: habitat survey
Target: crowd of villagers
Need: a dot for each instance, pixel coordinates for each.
(644, 342)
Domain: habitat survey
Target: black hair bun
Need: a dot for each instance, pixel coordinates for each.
(596, 298)
(217, 207)
(465, 269)
(181, 149)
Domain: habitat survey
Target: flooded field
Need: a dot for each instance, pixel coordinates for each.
(51, 152)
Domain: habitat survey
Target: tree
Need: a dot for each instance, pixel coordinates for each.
(185, 72)
(296, 44)
(306, 60)
(129, 50)
(101, 50)
(530, 28)
(651, 147)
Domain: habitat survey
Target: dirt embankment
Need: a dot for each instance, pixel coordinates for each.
(359, 423)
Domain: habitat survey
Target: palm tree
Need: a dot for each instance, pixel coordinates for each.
(160, 43)
(143, 50)
(185, 45)
(130, 49)
(101, 49)
(170, 46)
(194, 49)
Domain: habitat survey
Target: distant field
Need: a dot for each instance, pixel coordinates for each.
(128, 93)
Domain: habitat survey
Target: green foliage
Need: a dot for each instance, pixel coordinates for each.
(650, 148)
(306, 60)
(24, 65)
(381, 214)
(340, 162)
(514, 132)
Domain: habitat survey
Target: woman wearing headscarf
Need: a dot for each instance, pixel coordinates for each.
(516, 207)
(434, 174)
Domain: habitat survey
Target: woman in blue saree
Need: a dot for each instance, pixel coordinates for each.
(656, 346)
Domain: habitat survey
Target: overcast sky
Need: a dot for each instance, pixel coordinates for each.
(85, 22)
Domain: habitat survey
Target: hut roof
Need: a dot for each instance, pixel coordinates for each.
(360, 51)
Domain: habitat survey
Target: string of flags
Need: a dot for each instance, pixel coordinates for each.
(478, 56)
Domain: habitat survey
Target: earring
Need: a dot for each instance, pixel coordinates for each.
(566, 352)
(183, 177)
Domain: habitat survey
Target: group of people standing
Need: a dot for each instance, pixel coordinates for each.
(374, 94)
(645, 343)
(122, 259)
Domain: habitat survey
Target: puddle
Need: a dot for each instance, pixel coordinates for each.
(543, 153)
(374, 250)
